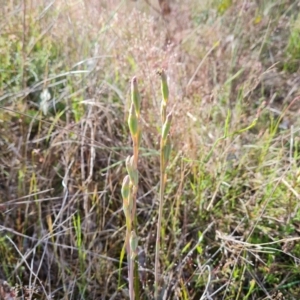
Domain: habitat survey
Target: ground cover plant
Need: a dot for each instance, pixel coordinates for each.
(230, 214)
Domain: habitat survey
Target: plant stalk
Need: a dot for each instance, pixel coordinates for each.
(160, 212)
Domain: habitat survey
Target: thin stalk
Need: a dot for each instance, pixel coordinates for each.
(129, 191)
(129, 260)
(133, 265)
(130, 272)
(160, 212)
(165, 147)
(135, 162)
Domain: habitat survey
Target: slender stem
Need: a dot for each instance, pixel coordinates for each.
(133, 219)
(131, 240)
(136, 157)
(160, 209)
(130, 265)
(160, 212)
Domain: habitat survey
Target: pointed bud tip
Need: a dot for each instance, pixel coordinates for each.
(161, 72)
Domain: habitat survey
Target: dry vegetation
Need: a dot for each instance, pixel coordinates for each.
(231, 216)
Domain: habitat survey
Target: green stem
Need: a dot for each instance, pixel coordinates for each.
(131, 277)
(160, 212)
(130, 265)
(133, 264)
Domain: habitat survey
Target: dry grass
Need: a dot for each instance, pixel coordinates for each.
(231, 219)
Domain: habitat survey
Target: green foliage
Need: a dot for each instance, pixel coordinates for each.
(222, 5)
(293, 47)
